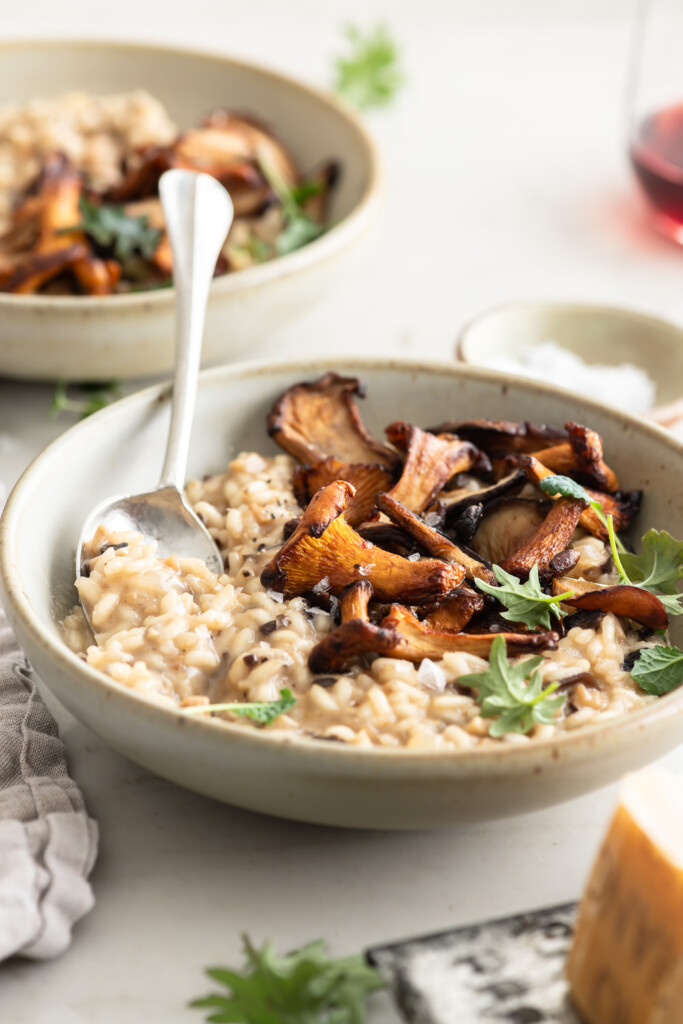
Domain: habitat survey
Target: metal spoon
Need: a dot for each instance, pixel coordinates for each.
(198, 213)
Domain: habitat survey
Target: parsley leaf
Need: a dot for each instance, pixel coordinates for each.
(262, 712)
(304, 987)
(100, 395)
(525, 602)
(110, 227)
(513, 694)
(369, 75)
(659, 670)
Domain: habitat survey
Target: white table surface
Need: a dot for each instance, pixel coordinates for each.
(507, 179)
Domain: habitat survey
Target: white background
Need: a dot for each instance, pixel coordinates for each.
(507, 178)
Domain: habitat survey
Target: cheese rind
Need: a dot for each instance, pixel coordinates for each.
(626, 962)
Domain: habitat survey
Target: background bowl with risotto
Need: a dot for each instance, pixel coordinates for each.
(86, 128)
(269, 768)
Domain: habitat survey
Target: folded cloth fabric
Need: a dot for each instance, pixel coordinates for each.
(48, 844)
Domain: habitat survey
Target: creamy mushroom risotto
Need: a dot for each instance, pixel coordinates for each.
(430, 593)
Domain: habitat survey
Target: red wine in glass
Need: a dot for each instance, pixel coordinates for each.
(657, 158)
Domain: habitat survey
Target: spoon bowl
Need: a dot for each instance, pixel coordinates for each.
(198, 213)
(162, 515)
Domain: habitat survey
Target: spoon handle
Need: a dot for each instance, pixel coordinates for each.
(198, 213)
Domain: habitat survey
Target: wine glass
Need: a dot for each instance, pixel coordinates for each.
(656, 112)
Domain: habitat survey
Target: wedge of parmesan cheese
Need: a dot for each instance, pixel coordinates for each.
(626, 962)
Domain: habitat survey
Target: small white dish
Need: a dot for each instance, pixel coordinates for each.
(120, 449)
(123, 336)
(597, 334)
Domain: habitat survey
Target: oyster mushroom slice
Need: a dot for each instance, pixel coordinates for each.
(507, 525)
(497, 437)
(432, 541)
(317, 419)
(454, 503)
(623, 600)
(431, 460)
(548, 542)
(623, 506)
(325, 552)
(366, 477)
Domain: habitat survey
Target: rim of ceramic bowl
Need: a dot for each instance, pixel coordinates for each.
(335, 239)
(577, 745)
(553, 306)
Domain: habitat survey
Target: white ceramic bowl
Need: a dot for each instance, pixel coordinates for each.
(598, 334)
(123, 336)
(119, 450)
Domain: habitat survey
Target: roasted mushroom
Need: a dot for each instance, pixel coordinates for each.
(356, 636)
(367, 478)
(452, 612)
(581, 458)
(401, 635)
(56, 249)
(419, 641)
(433, 542)
(455, 502)
(498, 437)
(624, 600)
(318, 419)
(325, 552)
(508, 524)
(548, 542)
(623, 506)
(430, 462)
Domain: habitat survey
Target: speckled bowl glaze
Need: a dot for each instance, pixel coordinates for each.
(123, 336)
(597, 334)
(119, 450)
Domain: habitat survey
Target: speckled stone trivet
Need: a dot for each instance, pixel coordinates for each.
(507, 970)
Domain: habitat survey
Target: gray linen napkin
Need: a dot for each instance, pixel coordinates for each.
(48, 844)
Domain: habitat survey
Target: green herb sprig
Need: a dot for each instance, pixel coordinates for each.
(261, 712)
(525, 602)
(95, 397)
(111, 228)
(369, 73)
(513, 694)
(660, 566)
(304, 987)
(299, 229)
